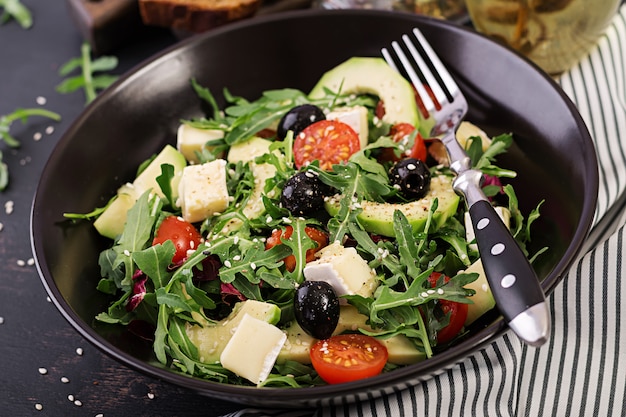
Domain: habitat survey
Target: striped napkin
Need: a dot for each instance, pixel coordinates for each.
(581, 370)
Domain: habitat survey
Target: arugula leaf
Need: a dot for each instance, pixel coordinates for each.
(87, 80)
(16, 10)
(21, 114)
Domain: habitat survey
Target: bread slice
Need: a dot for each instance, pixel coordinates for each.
(195, 15)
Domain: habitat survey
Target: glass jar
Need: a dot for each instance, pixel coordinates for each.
(555, 34)
(445, 9)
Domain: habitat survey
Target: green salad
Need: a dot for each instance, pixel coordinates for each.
(302, 238)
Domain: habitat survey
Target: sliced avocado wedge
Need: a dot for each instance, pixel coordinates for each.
(111, 222)
(211, 339)
(372, 75)
(377, 217)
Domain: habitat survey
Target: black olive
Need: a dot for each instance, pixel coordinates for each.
(316, 308)
(412, 177)
(298, 118)
(304, 193)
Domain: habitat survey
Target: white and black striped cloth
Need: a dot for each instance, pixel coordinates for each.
(581, 371)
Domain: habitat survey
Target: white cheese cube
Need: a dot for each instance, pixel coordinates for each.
(503, 213)
(202, 190)
(344, 269)
(190, 140)
(355, 117)
(252, 350)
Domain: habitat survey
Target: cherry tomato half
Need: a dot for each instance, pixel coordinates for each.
(348, 357)
(319, 237)
(457, 311)
(399, 133)
(329, 141)
(182, 233)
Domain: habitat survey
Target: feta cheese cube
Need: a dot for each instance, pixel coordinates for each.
(355, 117)
(190, 140)
(252, 350)
(344, 269)
(202, 190)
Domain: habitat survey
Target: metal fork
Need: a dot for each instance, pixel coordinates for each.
(512, 280)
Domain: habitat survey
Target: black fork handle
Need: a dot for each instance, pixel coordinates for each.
(513, 282)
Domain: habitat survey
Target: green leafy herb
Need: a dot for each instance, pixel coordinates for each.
(14, 9)
(5, 126)
(88, 80)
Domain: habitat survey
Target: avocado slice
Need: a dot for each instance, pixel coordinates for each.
(377, 217)
(400, 349)
(111, 222)
(483, 300)
(211, 339)
(372, 75)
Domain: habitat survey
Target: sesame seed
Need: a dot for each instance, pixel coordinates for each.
(253, 265)
(424, 295)
(236, 240)
(30, 262)
(100, 415)
(65, 379)
(8, 207)
(49, 130)
(41, 100)
(1, 320)
(70, 397)
(1, 226)
(21, 262)
(43, 371)
(269, 219)
(38, 407)
(227, 263)
(411, 167)
(236, 258)
(48, 299)
(79, 351)
(126, 252)
(78, 403)
(150, 395)
(440, 291)
(37, 136)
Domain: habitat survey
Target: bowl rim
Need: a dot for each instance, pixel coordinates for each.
(319, 394)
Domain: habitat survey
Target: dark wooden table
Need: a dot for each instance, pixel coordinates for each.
(44, 363)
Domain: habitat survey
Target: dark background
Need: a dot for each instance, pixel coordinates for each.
(33, 334)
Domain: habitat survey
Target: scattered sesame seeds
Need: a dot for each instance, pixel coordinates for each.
(21, 262)
(253, 266)
(38, 407)
(78, 403)
(49, 130)
(65, 379)
(227, 263)
(30, 261)
(126, 252)
(43, 371)
(41, 100)
(79, 351)
(151, 395)
(71, 397)
(8, 207)
(440, 291)
(37, 136)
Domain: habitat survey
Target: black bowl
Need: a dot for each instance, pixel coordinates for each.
(553, 155)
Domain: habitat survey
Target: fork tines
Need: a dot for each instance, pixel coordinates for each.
(430, 70)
